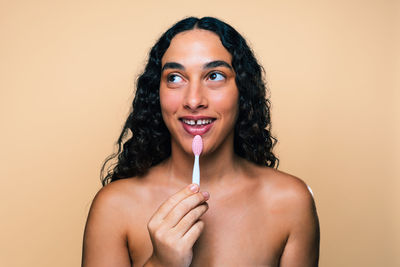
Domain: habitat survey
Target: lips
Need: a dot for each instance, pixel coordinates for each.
(197, 125)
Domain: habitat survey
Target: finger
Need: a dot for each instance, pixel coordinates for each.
(193, 233)
(183, 207)
(172, 201)
(190, 218)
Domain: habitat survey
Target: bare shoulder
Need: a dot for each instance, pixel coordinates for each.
(286, 188)
(278, 186)
(284, 194)
(117, 196)
(292, 205)
(111, 206)
(105, 237)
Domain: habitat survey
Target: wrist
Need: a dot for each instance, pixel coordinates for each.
(152, 262)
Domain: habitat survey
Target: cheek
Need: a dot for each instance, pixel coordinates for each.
(228, 104)
(169, 102)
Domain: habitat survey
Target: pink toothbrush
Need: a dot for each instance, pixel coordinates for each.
(197, 147)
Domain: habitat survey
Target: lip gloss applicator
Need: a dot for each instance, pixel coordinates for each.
(197, 147)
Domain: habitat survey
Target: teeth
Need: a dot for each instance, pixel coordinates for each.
(197, 122)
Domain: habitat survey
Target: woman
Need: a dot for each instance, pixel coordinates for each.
(201, 78)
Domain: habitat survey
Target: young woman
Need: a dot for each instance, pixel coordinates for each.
(201, 79)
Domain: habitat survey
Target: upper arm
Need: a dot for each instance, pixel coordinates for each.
(302, 246)
(105, 242)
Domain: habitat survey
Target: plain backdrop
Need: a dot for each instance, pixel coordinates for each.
(67, 75)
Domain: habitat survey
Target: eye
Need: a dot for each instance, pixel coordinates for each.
(173, 78)
(216, 76)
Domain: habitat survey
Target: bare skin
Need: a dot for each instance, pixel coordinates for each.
(244, 215)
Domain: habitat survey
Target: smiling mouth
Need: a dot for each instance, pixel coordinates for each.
(197, 126)
(197, 122)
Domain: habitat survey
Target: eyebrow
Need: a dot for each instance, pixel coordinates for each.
(172, 65)
(209, 65)
(217, 63)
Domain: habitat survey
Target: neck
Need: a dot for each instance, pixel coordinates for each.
(217, 168)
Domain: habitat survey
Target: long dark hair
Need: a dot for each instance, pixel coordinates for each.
(145, 140)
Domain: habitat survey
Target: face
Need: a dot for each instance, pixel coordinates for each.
(198, 92)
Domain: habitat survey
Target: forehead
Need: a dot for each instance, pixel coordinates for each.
(196, 46)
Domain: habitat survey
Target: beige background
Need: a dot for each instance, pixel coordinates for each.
(67, 71)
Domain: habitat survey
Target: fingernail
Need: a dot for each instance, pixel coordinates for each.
(206, 194)
(194, 188)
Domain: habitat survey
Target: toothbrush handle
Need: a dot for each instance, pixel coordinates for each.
(196, 171)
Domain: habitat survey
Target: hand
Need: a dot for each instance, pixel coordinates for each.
(175, 227)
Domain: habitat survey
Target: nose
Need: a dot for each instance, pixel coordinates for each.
(195, 97)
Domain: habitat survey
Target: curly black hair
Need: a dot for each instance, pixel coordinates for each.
(145, 140)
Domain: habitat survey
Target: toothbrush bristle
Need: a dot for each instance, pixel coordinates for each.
(197, 145)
